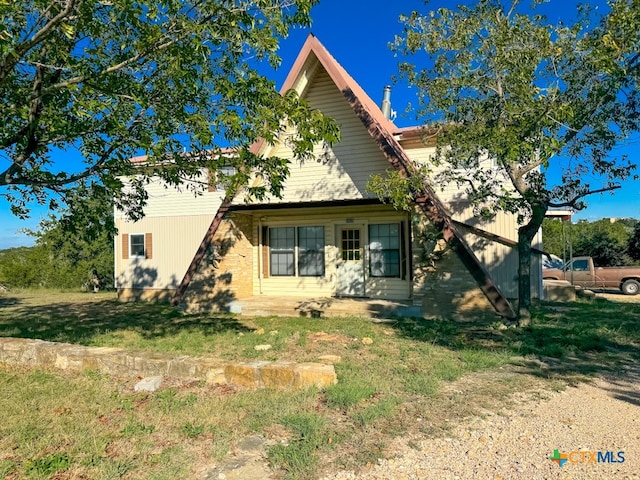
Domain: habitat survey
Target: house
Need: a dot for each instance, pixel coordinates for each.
(327, 236)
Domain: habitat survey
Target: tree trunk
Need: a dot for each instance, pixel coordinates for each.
(526, 234)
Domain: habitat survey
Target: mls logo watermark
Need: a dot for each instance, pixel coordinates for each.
(609, 456)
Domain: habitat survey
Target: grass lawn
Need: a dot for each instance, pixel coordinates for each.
(404, 378)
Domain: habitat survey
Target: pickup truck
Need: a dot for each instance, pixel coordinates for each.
(582, 272)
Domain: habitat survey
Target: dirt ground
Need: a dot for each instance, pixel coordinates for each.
(615, 296)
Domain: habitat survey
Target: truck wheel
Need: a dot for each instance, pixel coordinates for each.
(631, 287)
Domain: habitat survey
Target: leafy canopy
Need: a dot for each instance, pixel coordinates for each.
(109, 80)
(498, 82)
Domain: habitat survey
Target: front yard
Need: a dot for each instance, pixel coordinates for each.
(395, 378)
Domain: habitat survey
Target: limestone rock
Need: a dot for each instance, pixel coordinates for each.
(148, 384)
(330, 359)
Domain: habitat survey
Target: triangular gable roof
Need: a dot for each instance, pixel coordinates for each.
(381, 130)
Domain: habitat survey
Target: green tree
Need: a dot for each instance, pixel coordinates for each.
(22, 267)
(496, 82)
(605, 251)
(72, 249)
(555, 236)
(633, 248)
(109, 80)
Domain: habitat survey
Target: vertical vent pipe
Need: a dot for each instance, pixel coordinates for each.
(386, 102)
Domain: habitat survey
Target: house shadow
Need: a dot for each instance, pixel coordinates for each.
(82, 322)
(215, 281)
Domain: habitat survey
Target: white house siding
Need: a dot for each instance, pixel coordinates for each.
(174, 242)
(177, 220)
(170, 201)
(500, 260)
(341, 171)
(331, 219)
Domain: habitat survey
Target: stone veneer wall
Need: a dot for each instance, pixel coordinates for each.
(145, 294)
(442, 285)
(225, 273)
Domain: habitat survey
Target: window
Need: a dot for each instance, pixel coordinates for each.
(385, 259)
(580, 265)
(350, 245)
(311, 251)
(223, 176)
(137, 245)
(219, 179)
(282, 242)
(296, 251)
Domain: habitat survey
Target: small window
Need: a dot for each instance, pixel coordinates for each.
(350, 245)
(137, 246)
(219, 179)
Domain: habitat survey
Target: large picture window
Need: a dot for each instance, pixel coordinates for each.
(385, 246)
(296, 251)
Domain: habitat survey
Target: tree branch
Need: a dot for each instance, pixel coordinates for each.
(158, 47)
(530, 167)
(12, 58)
(574, 200)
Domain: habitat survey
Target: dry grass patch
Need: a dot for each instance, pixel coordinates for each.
(410, 377)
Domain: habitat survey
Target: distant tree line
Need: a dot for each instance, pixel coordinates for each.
(611, 242)
(73, 250)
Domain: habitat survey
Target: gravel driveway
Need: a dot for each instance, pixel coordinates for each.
(602, 416)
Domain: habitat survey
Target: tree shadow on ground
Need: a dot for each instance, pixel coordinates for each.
(619, 385)
(563, 339)
(7, 301)
(80, 322)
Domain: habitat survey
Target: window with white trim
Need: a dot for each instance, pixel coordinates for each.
(137, 245)
(385, 250)
(296, 251)
(311, 251)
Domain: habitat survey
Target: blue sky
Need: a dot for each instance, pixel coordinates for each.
(357, 33)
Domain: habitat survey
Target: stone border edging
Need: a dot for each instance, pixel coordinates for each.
(118, 361)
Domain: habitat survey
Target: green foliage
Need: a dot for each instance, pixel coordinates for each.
(22, 267)
(345, 395)
(107, 81)
(634, 243)
(47, 465)
(555, 236)
(298, 458)
(610, 243)
(192, 431)
(605, 250)
(500, 83)
(373, 413)
(397, 189)
(71, 250)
